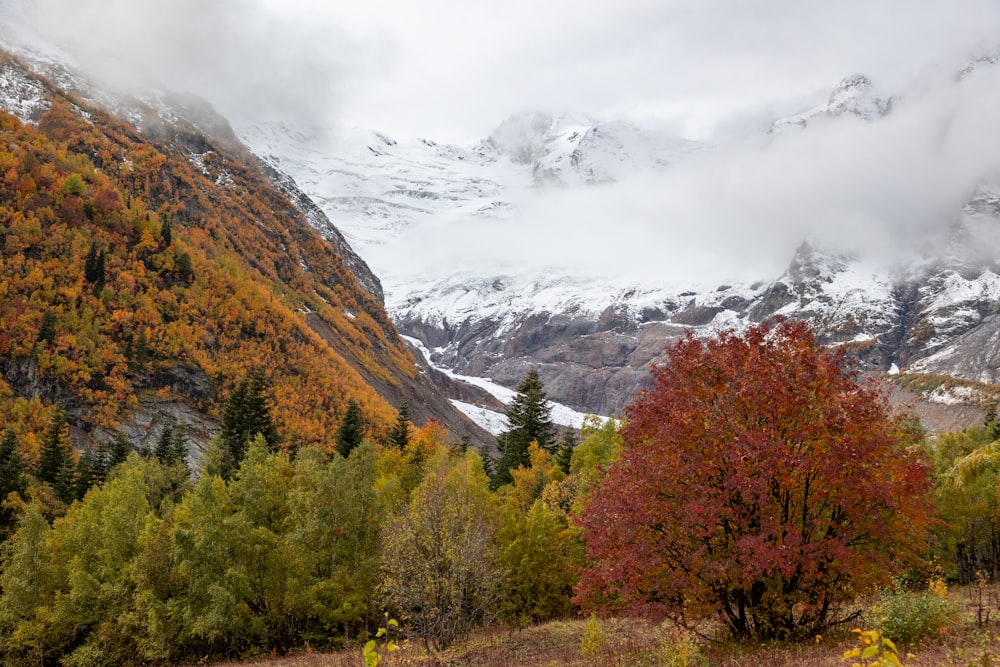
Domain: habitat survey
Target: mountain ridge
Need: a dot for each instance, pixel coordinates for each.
(592, 337)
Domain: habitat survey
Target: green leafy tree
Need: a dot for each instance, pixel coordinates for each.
(540, 552)
(351, 431)
(274, 570)
(967, 467)
(440, 567)
(26, 584)
(529, 419)
(334, 519)
(399, 436)
(74, 604)
(600, 445)
(205, 608)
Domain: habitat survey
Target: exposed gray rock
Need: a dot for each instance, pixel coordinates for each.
(974, 355)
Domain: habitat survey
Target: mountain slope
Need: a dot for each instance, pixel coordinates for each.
(207, 271)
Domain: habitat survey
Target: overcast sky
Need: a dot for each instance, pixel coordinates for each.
(453, 69)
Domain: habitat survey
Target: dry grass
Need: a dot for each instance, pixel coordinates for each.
(637, 644)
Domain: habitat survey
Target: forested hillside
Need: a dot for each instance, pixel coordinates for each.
(133, 274)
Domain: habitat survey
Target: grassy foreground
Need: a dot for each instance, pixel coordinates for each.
(631, 643)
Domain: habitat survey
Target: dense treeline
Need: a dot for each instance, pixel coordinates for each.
(755, 471)
(152, 565)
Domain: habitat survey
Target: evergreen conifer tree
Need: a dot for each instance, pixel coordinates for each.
(165, 445)
(564, 453)
(399, 436)
(118, 452)
(93, 267)
(351, 431)
(65, 484)
(246, 413)
(184, 268)
(99, 280)
(529, 419)
(489, 463)
(90, 264)
(88, 472)
(55, 462)
(12, 479)
(47, 329)
(140, 350)
(991, 423)
(178, 447)
(166, 234)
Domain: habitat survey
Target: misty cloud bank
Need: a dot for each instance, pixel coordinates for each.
(879, 190)
(251, 59)
(715, 70)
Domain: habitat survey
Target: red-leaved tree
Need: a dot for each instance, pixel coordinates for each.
(758, 482)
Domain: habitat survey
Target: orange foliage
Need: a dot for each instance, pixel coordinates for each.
(73, 184)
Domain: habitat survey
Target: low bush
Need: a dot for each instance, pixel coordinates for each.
(908, 617)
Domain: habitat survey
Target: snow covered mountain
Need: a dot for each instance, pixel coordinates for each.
(592, 334)
(593, 329)
(855, 96)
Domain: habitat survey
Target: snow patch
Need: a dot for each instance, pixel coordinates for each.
(486, 419)
(953, 396)
(561, 414)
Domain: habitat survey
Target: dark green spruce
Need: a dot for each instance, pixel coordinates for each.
(399, 436)
(351, 431)
(529, 419)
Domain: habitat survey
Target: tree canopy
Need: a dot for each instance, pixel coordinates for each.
(758, 482)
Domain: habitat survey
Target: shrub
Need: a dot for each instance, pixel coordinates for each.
(908, 617)
(592, 641)
(875, 651)
(680, 651)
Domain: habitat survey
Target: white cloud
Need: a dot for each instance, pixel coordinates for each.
(248, 57)
(877, 189)
(451, 69)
